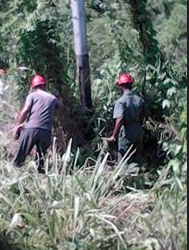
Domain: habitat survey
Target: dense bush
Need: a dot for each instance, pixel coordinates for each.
(94, 206)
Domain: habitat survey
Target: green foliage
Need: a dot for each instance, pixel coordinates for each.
(90, 207)
(130, 35)
(143, 22)
(71, 208)
(170, 22)
(35, 39)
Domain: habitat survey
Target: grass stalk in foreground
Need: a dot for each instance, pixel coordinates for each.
(87, 208)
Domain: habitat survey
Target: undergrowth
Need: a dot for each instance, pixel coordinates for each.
(92, 207)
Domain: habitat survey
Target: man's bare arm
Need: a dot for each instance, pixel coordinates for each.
(22, 116)
(118, 124)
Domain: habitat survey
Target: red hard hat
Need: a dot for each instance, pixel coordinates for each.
(124, 78)
(37, 80)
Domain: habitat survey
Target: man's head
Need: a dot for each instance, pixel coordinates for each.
(125, 81)
(38, 82)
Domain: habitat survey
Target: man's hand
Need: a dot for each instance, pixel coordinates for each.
(115, 133)
(111, 139)
(17, 131)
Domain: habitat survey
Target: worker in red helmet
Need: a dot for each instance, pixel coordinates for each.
(129, 113)
(37, 112)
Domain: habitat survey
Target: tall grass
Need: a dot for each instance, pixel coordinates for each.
(72, 208)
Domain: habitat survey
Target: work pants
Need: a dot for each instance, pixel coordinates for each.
(30, 137)
(131, 136)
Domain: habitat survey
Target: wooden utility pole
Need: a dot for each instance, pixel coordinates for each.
(81, 52)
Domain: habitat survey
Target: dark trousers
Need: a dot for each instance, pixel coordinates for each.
(131, 136)
(41, 138)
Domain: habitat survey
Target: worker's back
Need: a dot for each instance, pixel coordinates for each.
(130, 107)
(133, 109)
(42, 106)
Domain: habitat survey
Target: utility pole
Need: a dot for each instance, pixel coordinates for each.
(81, 52)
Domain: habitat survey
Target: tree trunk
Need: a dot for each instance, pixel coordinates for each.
(81, 52)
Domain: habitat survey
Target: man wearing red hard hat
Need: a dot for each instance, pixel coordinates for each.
(129, 113)
(37, 112)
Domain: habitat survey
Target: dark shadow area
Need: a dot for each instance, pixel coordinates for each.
(6, 245)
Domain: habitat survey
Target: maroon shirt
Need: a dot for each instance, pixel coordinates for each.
(41, 106)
